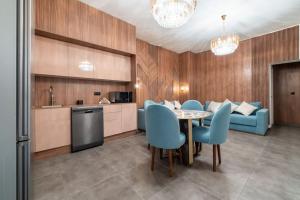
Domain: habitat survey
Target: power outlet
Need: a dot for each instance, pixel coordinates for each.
(97, 93)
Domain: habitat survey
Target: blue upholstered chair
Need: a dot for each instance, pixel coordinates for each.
(148, 103)
(163, 132)
(192, 105)
(217, 133)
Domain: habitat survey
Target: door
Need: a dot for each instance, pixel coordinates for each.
(286, 86)
(8, 90)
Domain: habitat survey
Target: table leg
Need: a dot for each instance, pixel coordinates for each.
(190, 141)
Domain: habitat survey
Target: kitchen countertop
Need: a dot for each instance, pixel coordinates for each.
(84, 105)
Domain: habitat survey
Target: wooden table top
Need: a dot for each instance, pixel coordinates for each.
(191, 114)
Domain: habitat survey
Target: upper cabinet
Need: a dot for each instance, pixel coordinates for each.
(52, 16)
(76, 20)
(66, 57)
(45, 64)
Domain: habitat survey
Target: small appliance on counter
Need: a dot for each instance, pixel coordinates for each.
(104, 101)
(120, 97)
(87, 127)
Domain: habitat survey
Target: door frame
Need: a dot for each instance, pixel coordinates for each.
(271, 89)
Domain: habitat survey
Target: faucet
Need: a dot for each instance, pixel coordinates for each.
(51, 96)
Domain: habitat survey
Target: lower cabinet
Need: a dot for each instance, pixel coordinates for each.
(119, 118)
(52, 128)
(112, 117)
(129, 117)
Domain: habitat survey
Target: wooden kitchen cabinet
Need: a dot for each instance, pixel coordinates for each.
(56, 58)
(96, 28)
(119, 118)
(78, 23)
(76, 55)
(73, 19)
(111, 66)
(52, 16)
(112, 118)
(50, 57)
(129, 117)
(52, 128)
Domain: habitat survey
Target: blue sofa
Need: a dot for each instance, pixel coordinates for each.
(256, 123)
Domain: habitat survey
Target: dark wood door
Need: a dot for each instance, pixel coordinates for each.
(287, 94)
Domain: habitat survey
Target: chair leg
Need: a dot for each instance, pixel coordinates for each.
(180, 155)
(200, 146)
(170, 162)
(197, 148)
(214, 157)
(161, 152)
(219, 153)
(153, 158)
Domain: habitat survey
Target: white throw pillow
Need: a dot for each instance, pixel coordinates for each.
(214, 106)
(177, 104)
(233, 106)
(169, 105)
(246, 109)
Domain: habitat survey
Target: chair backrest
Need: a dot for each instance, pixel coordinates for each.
(147, 103)
(162, 127)
(220, 124)
(192, 105)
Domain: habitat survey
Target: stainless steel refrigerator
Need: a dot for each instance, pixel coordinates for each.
(15, 99)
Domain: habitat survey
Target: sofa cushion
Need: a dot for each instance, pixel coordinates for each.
(177, 104)
(214, 106)
(246, 109)
(239, 119)
(243, 120)
(233, 106)
(254, 103)
(169, 105)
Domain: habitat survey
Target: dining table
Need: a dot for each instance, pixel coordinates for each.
(191, 115)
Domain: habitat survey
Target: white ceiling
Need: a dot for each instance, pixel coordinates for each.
(248, 18)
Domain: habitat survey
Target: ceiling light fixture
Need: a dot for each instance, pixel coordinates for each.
(225, 44)
(172, 13)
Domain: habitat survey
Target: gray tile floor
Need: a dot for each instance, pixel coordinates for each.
(253, 167)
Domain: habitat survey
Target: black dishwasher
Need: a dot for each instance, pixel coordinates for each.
(87, 127)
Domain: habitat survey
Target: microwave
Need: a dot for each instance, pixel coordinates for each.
(120, 97)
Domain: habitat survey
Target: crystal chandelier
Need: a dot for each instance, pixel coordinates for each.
(172, 13)
(226, 44)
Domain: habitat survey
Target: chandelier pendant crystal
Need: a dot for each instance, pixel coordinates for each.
(172, 13)
(226, 44)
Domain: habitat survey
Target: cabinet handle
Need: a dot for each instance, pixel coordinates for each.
(88, 111)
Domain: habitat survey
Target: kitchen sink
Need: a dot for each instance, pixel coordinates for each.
(53, 106)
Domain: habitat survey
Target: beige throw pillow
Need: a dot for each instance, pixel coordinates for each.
(169, 105)
(246, 109)
(214, 106)
(233, 106)
(177, 105)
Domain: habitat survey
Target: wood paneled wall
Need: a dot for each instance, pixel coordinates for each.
(267, 49)
(74, 21)
(241, 76)
(187, 67)
(157, 73)
(67, 91)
